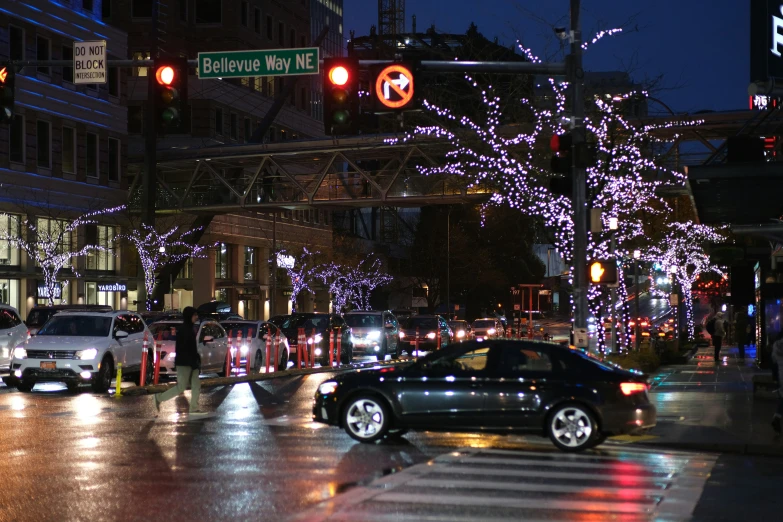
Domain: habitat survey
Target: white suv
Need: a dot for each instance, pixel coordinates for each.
(13, 332)
(82, 347)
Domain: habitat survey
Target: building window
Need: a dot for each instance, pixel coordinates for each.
(10, 226)
(183, 11)
(257, 21)
(248, 129)
(187, 270)
(281, 34)
(113, 80)
(106, 9)
(292, 38)
(87, 5)
(69, 150)
(251, 261)
(91, 153)
(218, 121)
(269, 86)
(16, 149)
(135, 119)
(243, 14)
(269, 27)
(222, 270)
(42, 52)
(114, 159)
(102, 237)
(16, 44)
(141, 55)
(44, 141)
(233, 125)
(54, 231)
(68, 71)
(209, 11)
(141, 8)
(257, 85)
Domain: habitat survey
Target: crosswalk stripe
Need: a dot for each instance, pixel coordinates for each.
(525, 486)
(471, 470)
(557, 464)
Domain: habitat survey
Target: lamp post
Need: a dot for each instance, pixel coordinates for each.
(636, 255)
(613, 226)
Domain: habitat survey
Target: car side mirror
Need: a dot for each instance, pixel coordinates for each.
(208, 339)
(120, 334)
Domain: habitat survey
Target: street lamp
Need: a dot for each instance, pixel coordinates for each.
(162, 249)
(613, 223)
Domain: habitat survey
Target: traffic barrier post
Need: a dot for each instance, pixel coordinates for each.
(312, 351)
(339, 354)
(118, 387)
(156, 373)
(230, 361)
(331, 348)
(416, 342)
(144, 347)
(268, 348)
(249, 349)
(239, 350)
(277, 348)
(437, 339)
(300, 340)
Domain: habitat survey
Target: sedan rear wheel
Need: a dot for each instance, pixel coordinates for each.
(366, 418)
(258, 361)
(572, 427)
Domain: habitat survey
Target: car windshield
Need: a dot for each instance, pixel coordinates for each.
(164, 331)
(320, 322)
(77, 326)
(412, 323)
(363, 320)
(483, 323)
(37, 318)
(246, 329)
(458, 325)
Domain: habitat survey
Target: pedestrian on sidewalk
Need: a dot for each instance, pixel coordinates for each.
(719, 332)
(741, 331)
(188, 363)
(777, 363)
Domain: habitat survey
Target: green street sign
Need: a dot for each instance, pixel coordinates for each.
(267, 62)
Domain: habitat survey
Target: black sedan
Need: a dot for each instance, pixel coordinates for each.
(493, 386)
(318, 328)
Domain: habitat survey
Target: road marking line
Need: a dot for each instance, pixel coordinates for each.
(469, 470)
(540, 463)
(657, 493)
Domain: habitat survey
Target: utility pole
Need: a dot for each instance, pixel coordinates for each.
(273, 297)
(636, 255)
(576, 81)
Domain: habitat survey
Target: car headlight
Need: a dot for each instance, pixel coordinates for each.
(402, 335)
(374, 335)
(431, 335)
(171, 356)
(20, 353)
(318, 338)
(327, 388)
(491, 331)
(243, 349)
(88, 354)
(460, 334)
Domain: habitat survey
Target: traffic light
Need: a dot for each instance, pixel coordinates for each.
(7, 79)
(170, 81)
(341, 95)
(561, 147)
(603, 272)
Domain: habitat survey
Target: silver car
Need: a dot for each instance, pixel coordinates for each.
(254, 337)
(212, 346)
(374, 334)
(13, 333)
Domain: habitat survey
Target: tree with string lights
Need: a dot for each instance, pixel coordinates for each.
(365, 278)
(158, 249)
(624, 178)
(338, 279)
(301, 270)
(50, 245)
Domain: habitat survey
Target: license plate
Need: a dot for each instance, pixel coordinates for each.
(48, 365)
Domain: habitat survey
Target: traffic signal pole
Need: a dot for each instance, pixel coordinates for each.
(576, 81)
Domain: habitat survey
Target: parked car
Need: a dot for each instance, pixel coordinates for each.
(212, 344)
(374, 333)
(40, 314)
(254, 336)
(462, 331)
(278, 320)
(493, 386)
(423, 329)
(403, 313)
(318, 327)
(13, 332)
(82, 347)
(488, 328)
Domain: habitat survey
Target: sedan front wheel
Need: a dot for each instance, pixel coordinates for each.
(572, 427)
(366, 418)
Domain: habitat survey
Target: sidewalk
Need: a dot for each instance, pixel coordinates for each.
(710, 407)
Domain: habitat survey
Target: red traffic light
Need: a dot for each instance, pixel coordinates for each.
(3, 74)
(165, 75)
(560, 142)
(338, 75)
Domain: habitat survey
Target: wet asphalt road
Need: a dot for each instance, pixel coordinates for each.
(94, 458)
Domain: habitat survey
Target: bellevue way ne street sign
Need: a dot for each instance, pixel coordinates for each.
(267, 62)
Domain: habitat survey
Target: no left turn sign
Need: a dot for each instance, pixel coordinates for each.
(394, 87)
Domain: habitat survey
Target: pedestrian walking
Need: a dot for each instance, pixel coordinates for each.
(777, 364)
(188, 362)
(741, 331)
(719, 332)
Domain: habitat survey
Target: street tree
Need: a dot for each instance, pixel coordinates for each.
(365, 278)
(302, 270)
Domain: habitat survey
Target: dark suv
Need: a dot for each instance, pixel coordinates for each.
(317, 328)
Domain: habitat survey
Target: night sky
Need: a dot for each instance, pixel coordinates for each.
(701, 47)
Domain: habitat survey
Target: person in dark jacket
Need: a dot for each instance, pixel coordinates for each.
(188, 362)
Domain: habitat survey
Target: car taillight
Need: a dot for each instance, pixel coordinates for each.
(629, 388)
